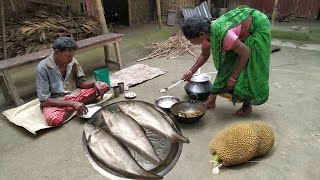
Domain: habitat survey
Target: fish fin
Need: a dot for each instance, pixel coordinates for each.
(89, 138)
(106, 116)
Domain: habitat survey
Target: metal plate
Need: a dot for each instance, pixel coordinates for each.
(166, 150)
(92, 108)
(130, 95)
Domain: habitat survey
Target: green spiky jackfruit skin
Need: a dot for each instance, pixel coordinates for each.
(235, 144)
(266, 137)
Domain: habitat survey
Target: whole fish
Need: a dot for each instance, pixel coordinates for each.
(130, 133)
(113, 154)
(151, 118)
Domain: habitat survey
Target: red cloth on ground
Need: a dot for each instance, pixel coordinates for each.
(54, 115)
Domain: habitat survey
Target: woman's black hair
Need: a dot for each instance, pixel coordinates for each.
(192, 26)
(65, 44)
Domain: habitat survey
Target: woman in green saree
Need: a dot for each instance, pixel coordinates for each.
(240, 45)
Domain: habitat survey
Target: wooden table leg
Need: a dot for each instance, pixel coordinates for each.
(117, 52)
(106, 54)
(11, 89)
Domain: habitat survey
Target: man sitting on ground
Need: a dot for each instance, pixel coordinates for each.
(61, 84)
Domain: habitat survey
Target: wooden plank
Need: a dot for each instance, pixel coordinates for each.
(84, 45)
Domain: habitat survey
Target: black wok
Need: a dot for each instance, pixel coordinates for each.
(188, 111)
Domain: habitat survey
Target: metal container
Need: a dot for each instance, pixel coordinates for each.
(121, 87)
(188, 111)
(165, 102)
(199, 85)
(167, 151)
(116, 91)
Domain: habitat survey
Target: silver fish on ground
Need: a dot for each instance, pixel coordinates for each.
(130, 133)
(151, 118)
(113, 154)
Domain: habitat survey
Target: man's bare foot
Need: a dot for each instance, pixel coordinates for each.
(211, 102)
(245, 110)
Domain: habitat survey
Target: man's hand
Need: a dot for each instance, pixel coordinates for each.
(80, 107)
(100, 91)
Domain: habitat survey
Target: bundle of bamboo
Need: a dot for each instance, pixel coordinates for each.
(173, 47)
(39, 27)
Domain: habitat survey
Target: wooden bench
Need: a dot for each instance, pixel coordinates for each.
(11, 65)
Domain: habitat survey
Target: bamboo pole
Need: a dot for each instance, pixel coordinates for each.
(159, 14)
(274, 13)
(129, 12)
(209, 6)
(3, 30)
(103, 25)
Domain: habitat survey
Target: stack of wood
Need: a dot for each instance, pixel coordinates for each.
(173, 47)
(38, 28)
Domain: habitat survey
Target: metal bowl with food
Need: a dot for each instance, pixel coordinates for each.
(165, 102)
(188, 111)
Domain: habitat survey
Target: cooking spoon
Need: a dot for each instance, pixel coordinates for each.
(164, 90)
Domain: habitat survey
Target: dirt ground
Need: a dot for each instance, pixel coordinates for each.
(292, 109)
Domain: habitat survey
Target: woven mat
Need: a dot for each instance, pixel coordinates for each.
(135, 74)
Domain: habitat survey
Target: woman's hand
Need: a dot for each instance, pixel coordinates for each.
(187, 76)
(231, 83)
(80, 107)
(100, 91)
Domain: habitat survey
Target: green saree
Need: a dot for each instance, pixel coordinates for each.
(253, 82)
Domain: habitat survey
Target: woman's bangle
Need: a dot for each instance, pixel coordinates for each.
(234, 80)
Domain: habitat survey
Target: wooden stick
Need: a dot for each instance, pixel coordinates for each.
(274, 13)
(3, 31)
(103, 25)
(129, 12)
(159, 14)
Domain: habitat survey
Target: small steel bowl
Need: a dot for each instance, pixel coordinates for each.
(165, 102)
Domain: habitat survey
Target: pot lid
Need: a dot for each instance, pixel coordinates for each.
(201, 78)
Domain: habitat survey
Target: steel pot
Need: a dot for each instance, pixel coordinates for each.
(199, 85)
(188, 111)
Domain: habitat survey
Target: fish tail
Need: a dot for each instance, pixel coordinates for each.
(180, 138)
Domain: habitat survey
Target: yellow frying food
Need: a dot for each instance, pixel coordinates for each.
(190, 115)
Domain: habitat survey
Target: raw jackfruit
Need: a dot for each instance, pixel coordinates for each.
(266, 137)
(241, 142)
